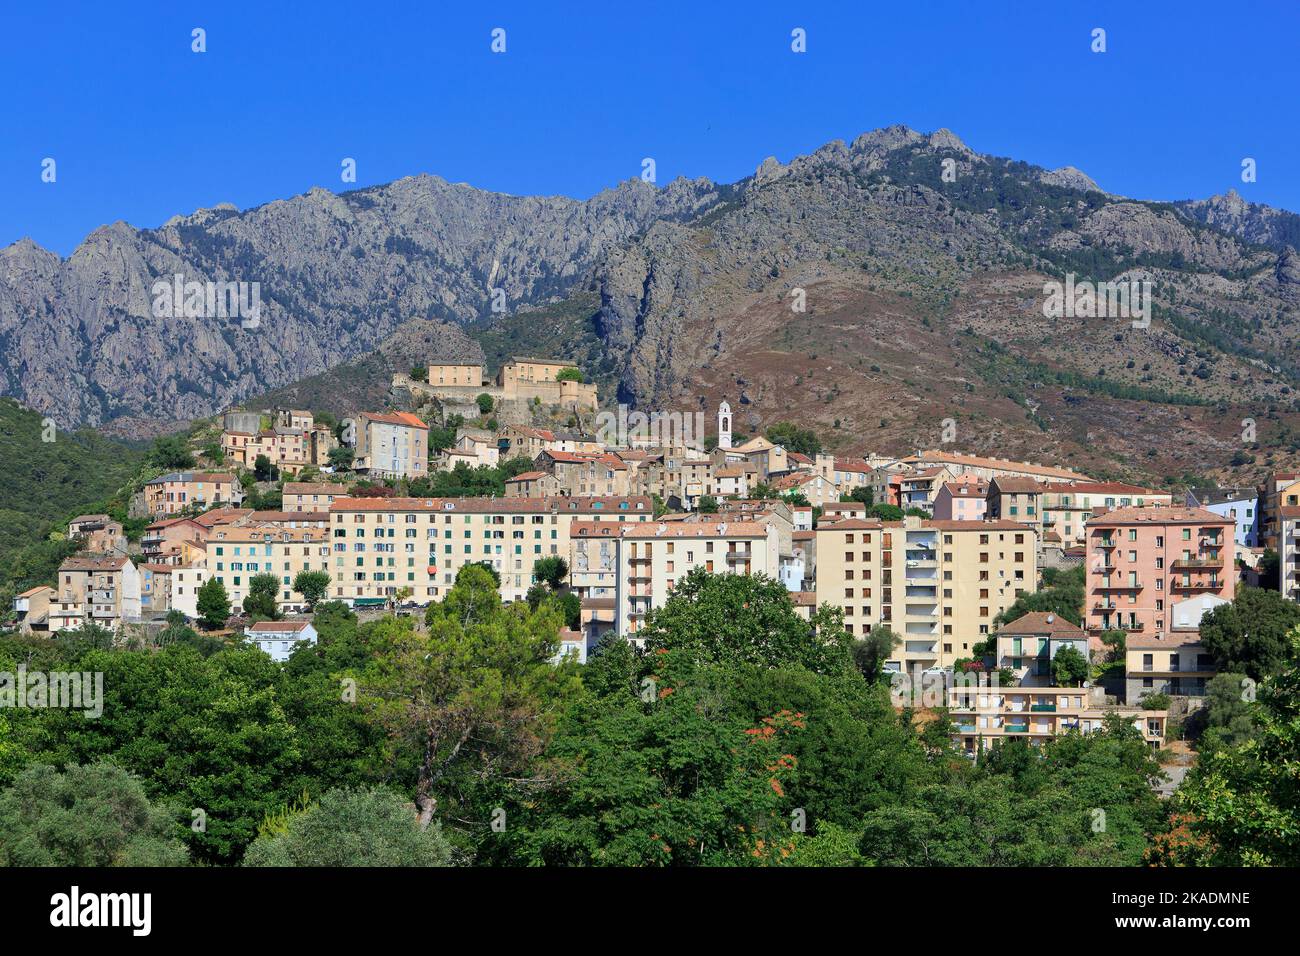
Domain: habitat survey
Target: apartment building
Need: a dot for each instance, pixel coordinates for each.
(532, 484)
(937, 584)
(279, 639)
(985, 716)
(101, 534)
(579, 474)
(186, 581)
(103, 589)
(286, 448)
(1027, 646)
(1280, 490)
(918, 489)
(311, 495)
(181, 490)
(392, 445)
(1288, 551)
(1015, 499)
(730, 480)
(814, 487)
(383, 545)
(1239, 504)
(637, 565)
(1174, 663)
(155, 589)
(237, 554)
(989, 468)
(964, 499)
(766, 457)
(32, 609)
(457, 374)
(1141, 560)
(1067, 507)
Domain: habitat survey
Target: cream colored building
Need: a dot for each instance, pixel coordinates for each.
(459, 375)
(937, 584)
(985, 716)
(180, 490)
(1066, 508)
(238, 554)
(102, 589)
(383, 545)
(392, 445)
(637, 565)
(311, 495)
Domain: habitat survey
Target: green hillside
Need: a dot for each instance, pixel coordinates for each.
(43, 484)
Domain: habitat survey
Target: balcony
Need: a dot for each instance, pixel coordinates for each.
(965, 728)
(1043, 708)
(1106, 542)
(1130, 586)
(1016, 729)
(1196, 585)
(1198, 563)
(739, 555)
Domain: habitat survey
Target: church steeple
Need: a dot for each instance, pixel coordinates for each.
(724, 425)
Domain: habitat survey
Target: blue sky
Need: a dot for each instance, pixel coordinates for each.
(141, 128)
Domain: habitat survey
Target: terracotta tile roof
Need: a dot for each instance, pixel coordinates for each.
(314, 488)
(396, 418)
(1157, 515)
(1150, 642)
(1100, 488)
(279, 627)
(80, 562)
(528, 476)
(1041, 622)
(586, 504)
(1015, 485)
(977, 461)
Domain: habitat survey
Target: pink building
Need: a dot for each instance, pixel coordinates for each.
(962, 499)
(1141, 561)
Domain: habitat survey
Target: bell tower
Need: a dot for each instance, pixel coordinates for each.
(724, 425)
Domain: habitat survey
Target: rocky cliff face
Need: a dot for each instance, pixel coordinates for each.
(872, 287)
(82, 340)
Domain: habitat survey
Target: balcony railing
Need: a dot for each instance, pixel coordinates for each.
(1016, 729)
(1198, 563)
(1044, 708)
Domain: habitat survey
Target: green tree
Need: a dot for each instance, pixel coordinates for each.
(171, 453)
(551, 571)
(97, 815)
(368, 827)
(793, 438)
(1064, 598)
(213, 604)
(1244, 798)
(1116, 641)
(471, 701)
(341, 457)
(861, 493)
(485, 404)
(745, 618)
(1069, 667)
(707, 505)
(569, 374)
(261, 600)
(1251, 634)
(312, 585)
(420, 373)
(875, 647)
(263, 470)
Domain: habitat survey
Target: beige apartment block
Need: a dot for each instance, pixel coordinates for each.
(392, 445)
(238, 554)
(937, 584)
(578, 474)
(1066, 508)
(102, 589)
(637, 565)
(1141, 560)
(985, 716)
(532, 484)
(101, 534)
(311, 495)
(180, 490)
(381, 546)
(456, 375)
